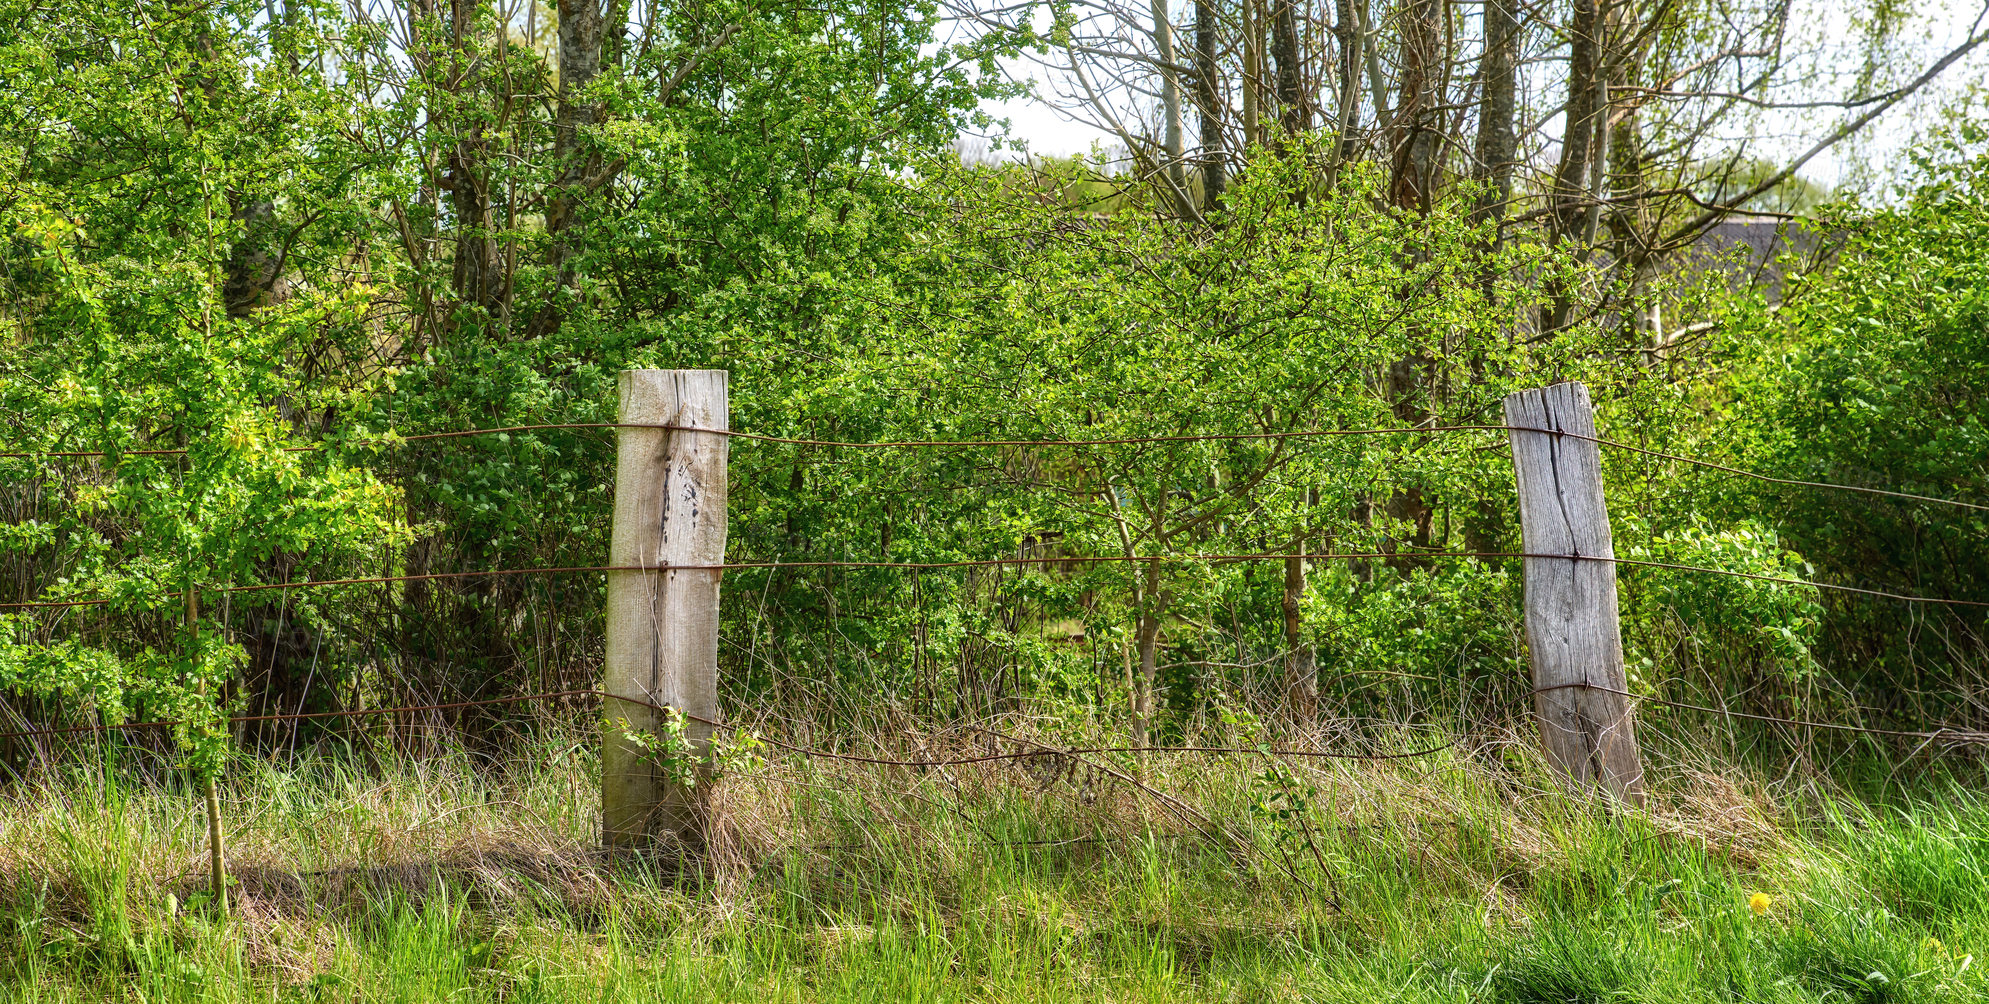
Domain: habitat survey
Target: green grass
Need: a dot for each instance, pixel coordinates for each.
(1445, 879)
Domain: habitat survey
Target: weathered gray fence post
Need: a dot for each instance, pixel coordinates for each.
(1571, 627)
(662, 639)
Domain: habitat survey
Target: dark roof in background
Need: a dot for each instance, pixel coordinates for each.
(1752, 249)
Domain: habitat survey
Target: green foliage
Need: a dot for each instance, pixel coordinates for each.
(1726, 627)
(1429, 632)
(252, 232)
(1876, 373)
(124, 342)
(676, 757)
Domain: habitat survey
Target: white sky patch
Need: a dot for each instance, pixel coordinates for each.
(1825, 53)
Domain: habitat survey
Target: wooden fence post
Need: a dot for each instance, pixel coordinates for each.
(1571, 627)
(662, 635)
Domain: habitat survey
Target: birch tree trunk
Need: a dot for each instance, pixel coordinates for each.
(1170, 100)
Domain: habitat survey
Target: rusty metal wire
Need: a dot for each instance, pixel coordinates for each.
(1066, 560)
(1942, 735)
(1957, 736)
(1069, 443)
(801, 750)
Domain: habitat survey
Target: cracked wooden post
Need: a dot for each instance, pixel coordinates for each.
(1571, 627)
(662, 634)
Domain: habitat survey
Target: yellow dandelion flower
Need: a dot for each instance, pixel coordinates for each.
(1759, 903)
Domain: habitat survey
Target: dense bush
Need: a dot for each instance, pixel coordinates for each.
(1875, 373)
(243, 237)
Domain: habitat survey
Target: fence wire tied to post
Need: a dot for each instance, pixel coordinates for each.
(1066, 560)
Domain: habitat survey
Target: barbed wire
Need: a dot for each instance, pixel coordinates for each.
(992, 562)
(1070, 443)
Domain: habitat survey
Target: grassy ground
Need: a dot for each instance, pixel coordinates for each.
(1449, 878)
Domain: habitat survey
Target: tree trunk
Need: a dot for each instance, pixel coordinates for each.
(479, 272)
(1301, 667)
(1628, 219)
(1215, 167)
(1494, 154)
(1571, 175)
(1253, 73)
(1153, 602)
(1412, 185)
(1170, 100)
(250, 278)
(1293, 113)
(1497, 83)
(1570, 193)
(581, 34)
(580, 38)
(1418, 121)
(1346, 37)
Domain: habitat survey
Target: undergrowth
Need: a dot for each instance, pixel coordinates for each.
(1460, 876)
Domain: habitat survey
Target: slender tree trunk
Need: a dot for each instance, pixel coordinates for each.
(1253, 72)
(614, 35)
(1412, 187)
(1301, 667)
(1497, 84)
(1418, 120)
(1628, 219)
(1582, 108)
(1570, 193)
(1170, 100)
(1215, 167)
(217, 867)
(217, 862)
(1493, 159)
(1377, 86)
(1598, 161)
(1346, 37)
(581, 37)
(1294, 112)
(1149, 642)
(1132, 687)
(1149, 600)
(478, 268)
(479, 272)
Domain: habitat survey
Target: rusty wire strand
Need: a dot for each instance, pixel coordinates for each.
(992, 562)
(1943, 734)
(802, 750)
(1065, 443)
